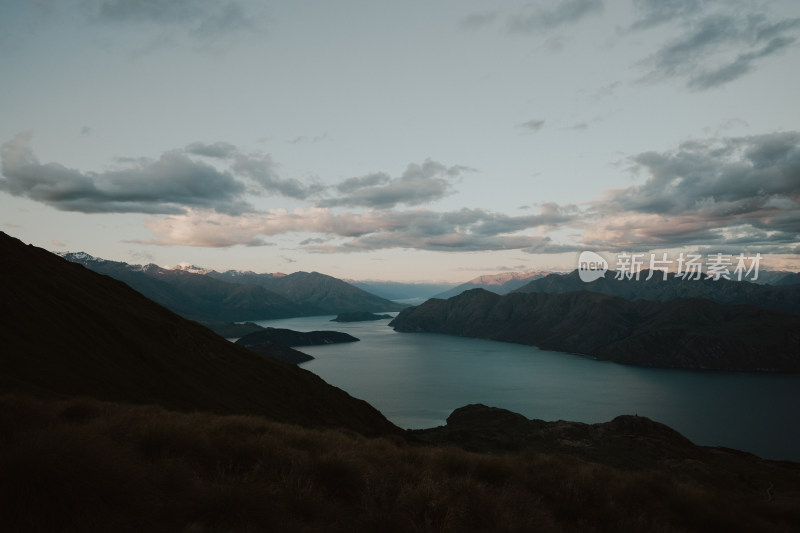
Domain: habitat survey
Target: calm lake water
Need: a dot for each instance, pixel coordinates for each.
(417, 379)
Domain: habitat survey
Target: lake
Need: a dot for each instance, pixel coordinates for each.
(417, 379)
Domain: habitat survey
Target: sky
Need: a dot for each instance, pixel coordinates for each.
(407, 141)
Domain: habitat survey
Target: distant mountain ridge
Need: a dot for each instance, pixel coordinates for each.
(314, 293)
(680, 333)
(502, 283)
(398, 290)
(207, 295)
(782, 298)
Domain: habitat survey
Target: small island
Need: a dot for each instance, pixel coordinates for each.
(359, 316)
(291, 338)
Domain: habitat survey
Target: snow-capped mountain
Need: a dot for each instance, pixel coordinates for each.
(207, 295)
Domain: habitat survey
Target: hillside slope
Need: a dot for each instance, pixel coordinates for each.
(69, 331)
(682, 333)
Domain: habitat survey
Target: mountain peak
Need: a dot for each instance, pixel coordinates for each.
(504, 277)
(189, 267)
(79, 257)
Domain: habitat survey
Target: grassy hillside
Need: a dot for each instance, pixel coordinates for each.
(79, 465)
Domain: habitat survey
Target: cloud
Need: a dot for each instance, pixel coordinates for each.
(222, 22)
(183, 178)
(536, 18)
(462, 230)
(499, 268)
(260, 169)
(713, 48)
(533, 125)
(743, 64)
(263, 171)
(653, 13)
(419, 184)
(726, 193)
(478, 20)
(306, 139)
(170, 184)
(205, 23)
(166, 185)
(738, 191)
(174, 12)
(315, 240)
(731, 175)
(218, 150)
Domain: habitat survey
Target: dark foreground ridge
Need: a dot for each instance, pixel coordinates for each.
(683, 333)
(291, 453)
(68, 331)
(628, 441)
(83, 465)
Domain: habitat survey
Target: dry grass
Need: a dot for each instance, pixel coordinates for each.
(83, 465)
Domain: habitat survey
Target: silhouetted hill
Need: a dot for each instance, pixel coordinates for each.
(627, 441)
(681, 333)
(314, 293)
(785, 298)
(68, 331)
(789, 278)
(497, 283)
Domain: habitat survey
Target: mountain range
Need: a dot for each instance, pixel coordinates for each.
(68, 331)
(117, 414)
(398, 290)
(782, 297)
(209, 296)
(681, 333)
(497, 283)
